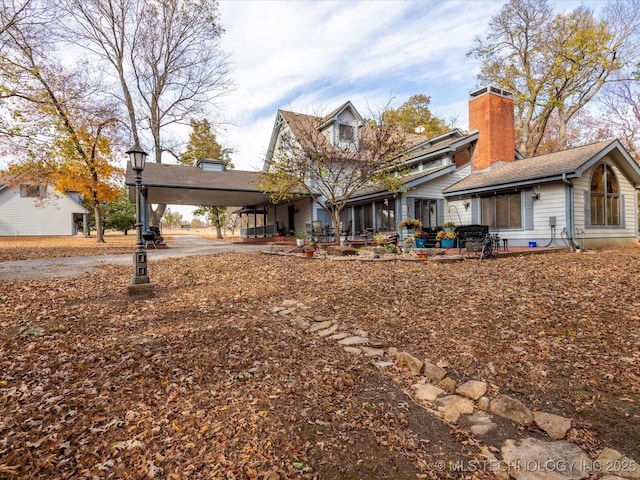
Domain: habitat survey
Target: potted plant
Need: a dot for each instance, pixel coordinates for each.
(409, 241)
(421, 252)
(411, 224)
(445, 238)
(448, 226)
(300, 238)
(310, 248)
(420, 238)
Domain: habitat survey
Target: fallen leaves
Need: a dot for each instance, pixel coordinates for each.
(203, 380)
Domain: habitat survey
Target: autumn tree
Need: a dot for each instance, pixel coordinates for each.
(203, 145)
(414, 116)
(61, 129)
(306, 163)
(554, 64)
(164, 55)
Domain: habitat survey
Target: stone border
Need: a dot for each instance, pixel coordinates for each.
(320, 255)
(437, 392)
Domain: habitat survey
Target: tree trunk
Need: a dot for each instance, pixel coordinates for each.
(155, 216)
(335, 217)
(98, 216)
(218, 232)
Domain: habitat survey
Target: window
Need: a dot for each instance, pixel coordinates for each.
(30, 191)
(364, 217)
(605, 197)
(346, 133)
(502, 211)
(386, 215)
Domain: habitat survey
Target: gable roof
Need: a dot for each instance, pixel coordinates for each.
(333, 116)
(301, 123)
(566, 164)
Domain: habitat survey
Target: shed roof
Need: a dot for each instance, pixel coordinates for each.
(187, 185)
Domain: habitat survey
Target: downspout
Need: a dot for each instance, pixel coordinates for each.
(570, 205)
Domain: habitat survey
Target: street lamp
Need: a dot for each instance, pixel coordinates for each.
(140, 281)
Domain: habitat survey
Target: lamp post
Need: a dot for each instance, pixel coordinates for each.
(140, 279)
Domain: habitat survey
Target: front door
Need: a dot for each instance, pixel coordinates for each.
(427, 213)
(291, 214)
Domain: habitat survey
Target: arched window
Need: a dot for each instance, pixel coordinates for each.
(605, 196)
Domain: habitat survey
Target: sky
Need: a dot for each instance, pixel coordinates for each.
(313, 56)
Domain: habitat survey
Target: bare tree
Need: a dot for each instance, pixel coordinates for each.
(166, 57)
(554, 64)
(621, 111)
(307, 163)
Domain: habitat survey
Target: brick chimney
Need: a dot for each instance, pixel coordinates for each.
(491, 113)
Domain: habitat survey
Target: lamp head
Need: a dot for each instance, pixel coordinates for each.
(137, 157)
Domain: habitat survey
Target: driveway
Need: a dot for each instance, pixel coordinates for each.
(181, 246)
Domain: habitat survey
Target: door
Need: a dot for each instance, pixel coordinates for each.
(427, 213)
(291, 218)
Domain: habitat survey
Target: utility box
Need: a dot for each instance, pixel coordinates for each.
(552, 221)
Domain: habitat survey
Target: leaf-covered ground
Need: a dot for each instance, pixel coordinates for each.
(202, 380)
(29, 248)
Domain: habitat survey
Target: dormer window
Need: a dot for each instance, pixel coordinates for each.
(346, 133)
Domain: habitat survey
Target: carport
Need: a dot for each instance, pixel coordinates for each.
(186, 185)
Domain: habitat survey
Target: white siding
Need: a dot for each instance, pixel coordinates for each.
(456, 212)
(434, 188)
(36, 217)
(551, 203)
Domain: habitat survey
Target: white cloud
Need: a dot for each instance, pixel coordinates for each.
(306, 56)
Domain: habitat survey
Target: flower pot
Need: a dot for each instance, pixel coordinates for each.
(446, 243)
(420, 242)
(309, 253)
(300, 242)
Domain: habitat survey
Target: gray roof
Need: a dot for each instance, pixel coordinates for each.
(186, 185)
(569, 163)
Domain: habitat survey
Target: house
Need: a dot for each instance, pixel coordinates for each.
(581, 197)
(32, 209)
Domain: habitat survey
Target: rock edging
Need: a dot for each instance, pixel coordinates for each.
(441, 394)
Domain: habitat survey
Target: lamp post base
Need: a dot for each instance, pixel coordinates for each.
(140, 288)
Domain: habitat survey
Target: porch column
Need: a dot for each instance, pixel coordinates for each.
(255, 224)
(144, 210)
(264, 223)
(374, 222)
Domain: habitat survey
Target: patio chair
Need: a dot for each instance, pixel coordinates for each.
(346, 232)
(318, 232)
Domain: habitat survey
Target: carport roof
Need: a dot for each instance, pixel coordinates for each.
(186, 185)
